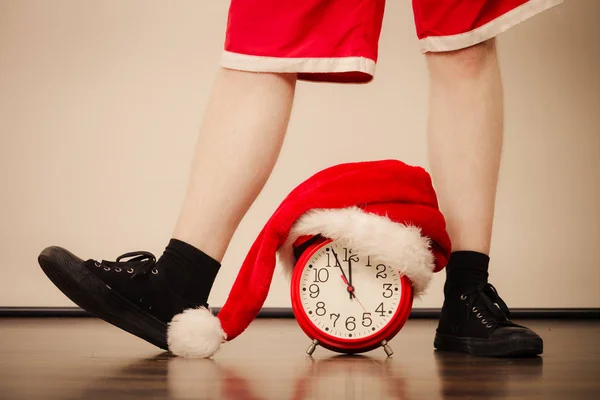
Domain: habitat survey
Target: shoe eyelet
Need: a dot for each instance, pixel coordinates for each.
(488, 326)
(483, 321)
(97, 264)
(474, 309)
(130, 270)
(155, 271)
(463, 297)
(107, 268)
(479, 315)
(117, 269)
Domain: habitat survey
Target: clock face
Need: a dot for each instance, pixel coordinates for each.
(348, 295)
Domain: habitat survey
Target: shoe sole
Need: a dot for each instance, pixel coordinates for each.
(518, 347)
(80, 285)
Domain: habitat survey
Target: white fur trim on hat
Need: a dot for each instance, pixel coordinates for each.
(195, 333)
(396, 245)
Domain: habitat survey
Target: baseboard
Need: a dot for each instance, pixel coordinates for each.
(274, 312)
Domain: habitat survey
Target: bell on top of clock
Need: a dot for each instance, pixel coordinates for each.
(375, 237)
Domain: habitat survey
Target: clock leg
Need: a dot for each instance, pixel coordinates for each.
(312, 347)
(386, 347)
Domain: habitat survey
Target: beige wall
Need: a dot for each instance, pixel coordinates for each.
(100, 103)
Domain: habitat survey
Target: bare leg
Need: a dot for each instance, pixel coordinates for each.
(240, 140)
(465, 140)
(465, 144)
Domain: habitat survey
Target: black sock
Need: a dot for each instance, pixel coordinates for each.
(465, 269)
(189, 271)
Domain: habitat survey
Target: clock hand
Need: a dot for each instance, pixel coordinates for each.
(351, 290)
(350, 287)
(363, 307)
(350, 274)
(337, 264)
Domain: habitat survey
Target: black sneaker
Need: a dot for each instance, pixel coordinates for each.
(130, 293)
(477, 322)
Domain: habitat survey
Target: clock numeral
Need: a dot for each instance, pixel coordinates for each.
(381, 273)
(321, 275)
(314, 291)
(337, 316)
(350, 323)
(353, 257)
(328, 260)
(320, 311)
(367, 317)
(380, 310)
(368, 262)
(387, 287)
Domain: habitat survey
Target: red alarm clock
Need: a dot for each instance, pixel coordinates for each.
(348, 302)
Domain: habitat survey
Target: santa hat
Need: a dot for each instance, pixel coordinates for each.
(386, 209)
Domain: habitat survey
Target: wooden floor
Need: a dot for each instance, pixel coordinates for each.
(84, 358)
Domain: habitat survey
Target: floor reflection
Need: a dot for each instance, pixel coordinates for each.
(350, 377)
(167, 377)
(490, 377)
(336, 377)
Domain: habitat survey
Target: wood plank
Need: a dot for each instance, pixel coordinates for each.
(85, 358)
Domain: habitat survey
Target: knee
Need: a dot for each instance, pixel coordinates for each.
(467, 62)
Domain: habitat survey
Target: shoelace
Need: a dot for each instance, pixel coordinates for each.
(141, 262)
(493, 303)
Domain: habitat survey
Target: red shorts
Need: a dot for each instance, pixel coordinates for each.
(337, 40)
